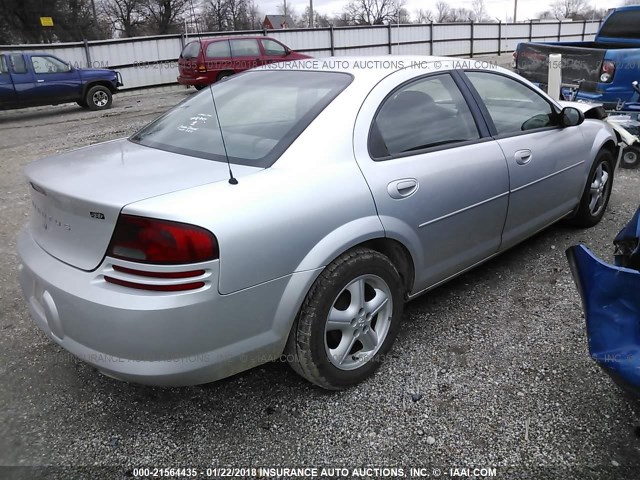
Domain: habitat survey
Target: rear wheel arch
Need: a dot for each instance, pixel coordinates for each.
(399, 256)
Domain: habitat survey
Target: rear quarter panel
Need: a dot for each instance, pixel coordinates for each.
(298, 215)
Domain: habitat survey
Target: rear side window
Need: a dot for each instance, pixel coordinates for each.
(3, 65)
(218, 49)
(261, 113)
(514, 108)
(623, 24)
(191, 50)
(245, 48)
(18, 64)
(425, 113)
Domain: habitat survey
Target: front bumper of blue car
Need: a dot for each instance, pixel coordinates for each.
(611, 301)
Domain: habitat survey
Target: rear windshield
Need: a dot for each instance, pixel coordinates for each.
(622, 24)
(261, 114)
(191, 50)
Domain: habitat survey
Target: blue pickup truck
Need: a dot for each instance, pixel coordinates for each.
(34, 79)
(605, 67)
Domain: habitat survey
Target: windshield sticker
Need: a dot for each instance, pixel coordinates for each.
(195, 123)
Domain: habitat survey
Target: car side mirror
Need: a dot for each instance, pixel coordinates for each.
(571, 117)
(287, 51)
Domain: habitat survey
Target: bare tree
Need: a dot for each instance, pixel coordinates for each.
(164, 16)
(442, 11)
(126, 16)
(479, 11)
(569, 8)
(215, 15)
(460, 15)
(319, 20)
(254, 16)
(287, 10)
(373, 12)
(423, 16)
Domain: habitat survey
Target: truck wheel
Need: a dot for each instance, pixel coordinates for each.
(83, 104)
(597, 191)
(348, 320)
(630, 157)
(98, 98)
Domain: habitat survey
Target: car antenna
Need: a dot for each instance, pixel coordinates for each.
(232, 180)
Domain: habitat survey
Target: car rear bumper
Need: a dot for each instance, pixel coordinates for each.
(612, 310)
(194, 81)
(157, 338)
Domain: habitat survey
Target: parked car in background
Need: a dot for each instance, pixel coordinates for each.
(298, 216)
(34, 79)
(203, 62)
(607, 65)
(611, 301)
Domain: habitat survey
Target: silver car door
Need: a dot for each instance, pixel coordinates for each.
(440, 186)
(546, 161)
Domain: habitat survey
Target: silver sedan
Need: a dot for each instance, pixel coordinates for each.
(290, 212)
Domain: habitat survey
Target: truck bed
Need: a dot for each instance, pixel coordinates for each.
(580, 61)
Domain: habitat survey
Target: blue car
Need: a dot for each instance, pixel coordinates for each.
(611, 301)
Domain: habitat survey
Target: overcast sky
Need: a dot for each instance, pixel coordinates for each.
(496, 8)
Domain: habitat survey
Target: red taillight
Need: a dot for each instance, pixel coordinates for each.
(162, 242)
(608, 69)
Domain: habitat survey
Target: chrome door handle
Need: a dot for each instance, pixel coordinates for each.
(523, 157)
(402, 188)
(40, 81)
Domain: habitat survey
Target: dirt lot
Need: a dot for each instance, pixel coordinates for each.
(490, 370)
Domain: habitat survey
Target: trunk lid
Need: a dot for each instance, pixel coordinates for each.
(77, 196)
(577, 63)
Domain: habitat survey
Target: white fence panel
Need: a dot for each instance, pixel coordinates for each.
(304, 39)
(411, 33)
(451, 31)
(571, 28)
(515, 30)
(363, 51)
(453, 48)
(544, 30)
(485, 31)
(485, 46)
(360, 36)
(412, 49)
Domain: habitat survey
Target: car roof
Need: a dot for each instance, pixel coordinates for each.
(377, 67)
(231, 37)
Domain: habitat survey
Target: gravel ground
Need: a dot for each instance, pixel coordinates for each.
(491, 369)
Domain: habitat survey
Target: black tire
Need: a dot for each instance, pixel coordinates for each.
(199, 87)
(311, 338)
(224, 75)
(98, 97)
(588, 215)
(83, 104)
(630, 157)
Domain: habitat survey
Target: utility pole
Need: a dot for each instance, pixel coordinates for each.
(311, 25)
(95, 16)
(515, 11)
